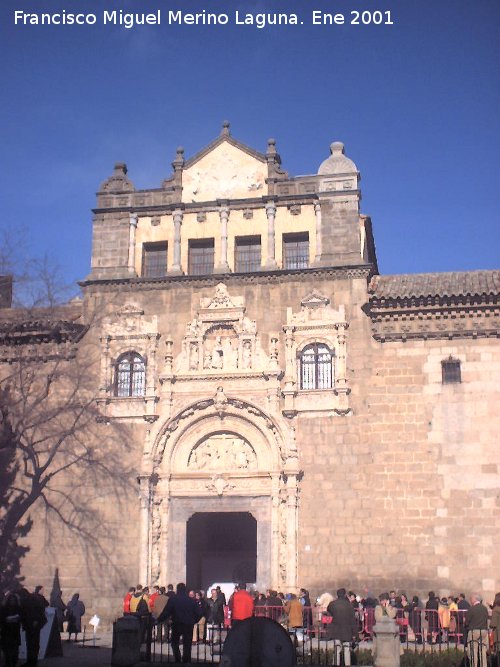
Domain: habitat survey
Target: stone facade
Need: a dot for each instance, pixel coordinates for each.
(310, 392)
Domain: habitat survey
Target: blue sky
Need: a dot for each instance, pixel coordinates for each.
(416, 104)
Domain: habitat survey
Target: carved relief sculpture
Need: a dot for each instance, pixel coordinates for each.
(223, 452)
(222, 338)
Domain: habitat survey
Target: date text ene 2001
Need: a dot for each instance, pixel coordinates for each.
(374, 17)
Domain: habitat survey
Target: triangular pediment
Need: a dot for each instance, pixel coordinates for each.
(315, 300)
(225, 169)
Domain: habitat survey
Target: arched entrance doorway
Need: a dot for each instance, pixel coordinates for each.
(220, 456)
(220, 547)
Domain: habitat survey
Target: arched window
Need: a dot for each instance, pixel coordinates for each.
(130, 375)
(316, 367)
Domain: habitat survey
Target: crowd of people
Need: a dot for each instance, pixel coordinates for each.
(349, 617)
(21, 608)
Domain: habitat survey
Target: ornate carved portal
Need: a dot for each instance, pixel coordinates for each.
(221, 339)
(221, 455)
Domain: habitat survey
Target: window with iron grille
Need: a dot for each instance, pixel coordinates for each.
(247, 254)
(450, 369)
(296, 251)
(316, 367)
(201, 257)
(154, 259)
(130, 375)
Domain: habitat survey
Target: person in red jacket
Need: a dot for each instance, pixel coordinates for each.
(241, 605)
(152, 597)
(126, 600)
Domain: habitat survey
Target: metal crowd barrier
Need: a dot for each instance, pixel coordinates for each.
(420, 632)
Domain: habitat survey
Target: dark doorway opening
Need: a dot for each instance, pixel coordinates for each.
(220, 547)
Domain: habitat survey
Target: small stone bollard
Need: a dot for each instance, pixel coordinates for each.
(126, 650)
(386, 647)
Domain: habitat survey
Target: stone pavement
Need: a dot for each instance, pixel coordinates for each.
(77, 655)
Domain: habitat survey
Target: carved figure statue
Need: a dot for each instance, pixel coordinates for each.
(218, 354)
(193, 356)
(230, 354)
(247, 354)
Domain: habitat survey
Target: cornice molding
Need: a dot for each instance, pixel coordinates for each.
(364, 271)
(435, 318)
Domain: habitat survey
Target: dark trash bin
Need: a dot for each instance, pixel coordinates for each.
(126, 648)
(258, 642)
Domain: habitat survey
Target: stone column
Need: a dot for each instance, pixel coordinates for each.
(144, 544)
(223, 266)
(317, 212)
(176, 266)
(386, 646)
(131, 243)
(271, 236)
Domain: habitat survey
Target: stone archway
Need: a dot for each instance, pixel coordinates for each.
(221, 455)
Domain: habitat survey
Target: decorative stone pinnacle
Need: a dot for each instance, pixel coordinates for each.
(178, 163)
(225, 129)
(271, 146)
(337, 147)
(121, 167)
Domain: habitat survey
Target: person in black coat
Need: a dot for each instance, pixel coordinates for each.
(33, 619)
(185, 613)
(10, 629)
(463, 606)
(305, 601)
(415, 618)
(432, 618)
(344, 628)
(215, 615)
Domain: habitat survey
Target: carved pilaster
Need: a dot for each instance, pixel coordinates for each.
(275, 531)
(164, 489)
(273, 353)
(144, 520)
(291, 530)
(169, 357)
(151, 375)
(341, 388)
(283, 537)
(289, 390)
(167, 378)
(106, 370)
(156, 534)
